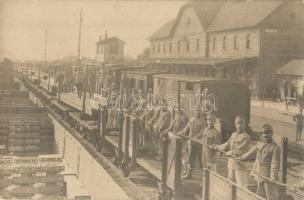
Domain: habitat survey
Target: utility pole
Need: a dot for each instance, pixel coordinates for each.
(79, 63)
(44, 60)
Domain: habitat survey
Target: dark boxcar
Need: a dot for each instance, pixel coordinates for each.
(141, 79)
(228, 98)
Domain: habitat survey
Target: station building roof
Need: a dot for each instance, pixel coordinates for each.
(293, 68)
(222, 15)
(202, 61)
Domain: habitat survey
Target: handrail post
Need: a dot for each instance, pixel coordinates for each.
(127, 137)
(121, 118)
(178, 169)
(164, 188)
(135, 129)
(232, 191)
(283, 164)
(206, 182)
(284, 154)
(101, 128)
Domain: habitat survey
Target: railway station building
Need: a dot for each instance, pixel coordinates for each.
(109, 49)
(244, 40)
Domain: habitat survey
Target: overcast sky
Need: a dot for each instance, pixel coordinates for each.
(23, 24)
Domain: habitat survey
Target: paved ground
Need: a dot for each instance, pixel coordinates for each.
(275, 114)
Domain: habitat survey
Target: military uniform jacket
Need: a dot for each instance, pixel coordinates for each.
(267, 161)
(194, 127)
(238, 144)
(210, 137)
(163, 121)
(179, 123)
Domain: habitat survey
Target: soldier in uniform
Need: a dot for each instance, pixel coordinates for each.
(210, 137)
(299, 119)
(147, 116)
(112, 107)
(162, 119)
(267, 163)
(237, 145)
(194, 126)
(179, 122)
(79, 81)
(92, 82)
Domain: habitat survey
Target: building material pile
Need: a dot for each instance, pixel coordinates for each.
(32, 178)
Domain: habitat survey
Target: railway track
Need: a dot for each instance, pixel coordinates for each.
(140, 185)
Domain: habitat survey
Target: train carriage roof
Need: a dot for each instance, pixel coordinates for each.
(182, 77)
(197, 79)
(144, 72)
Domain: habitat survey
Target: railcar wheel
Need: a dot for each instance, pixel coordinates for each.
(116, 158)
(125, 166)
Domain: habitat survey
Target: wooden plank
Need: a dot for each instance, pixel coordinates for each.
(113, 140)
(150, 166)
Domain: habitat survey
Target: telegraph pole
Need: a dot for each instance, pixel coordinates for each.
(44, 61)
(79, 63)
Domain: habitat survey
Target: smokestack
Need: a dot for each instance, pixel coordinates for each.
(106, 35)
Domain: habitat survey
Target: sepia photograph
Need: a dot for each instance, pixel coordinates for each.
(151, 99)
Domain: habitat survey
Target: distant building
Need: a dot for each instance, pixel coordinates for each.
(291, 79)
(245, 40)
(109, 49)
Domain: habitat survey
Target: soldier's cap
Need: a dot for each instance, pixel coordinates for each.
(211, 115)
(266, 128)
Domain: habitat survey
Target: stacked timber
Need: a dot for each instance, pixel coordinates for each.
(25, 129)
(32, 178)
(30, 136)
(4, 127)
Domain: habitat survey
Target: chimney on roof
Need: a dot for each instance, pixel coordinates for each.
(106, 35)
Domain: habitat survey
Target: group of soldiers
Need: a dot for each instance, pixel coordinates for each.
(204, 142)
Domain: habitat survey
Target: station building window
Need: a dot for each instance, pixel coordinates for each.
(248, 42)
(141, 84)
(187, 45)
(224, 42)
(170, 47)
(164, 47)
(236, 42)
(101, 49)
(206, 72)
(213, 43)
(197, 44)
(158, 47)
(188, 21)
(189, 86)
(179, 46)
(213, 73)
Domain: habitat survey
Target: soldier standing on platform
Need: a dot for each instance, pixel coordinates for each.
(92, 82)
(79, 81)
(237, 145)
(148, 114)
(112, 107)
(267, 163)
(210, 137)
(194, 126)
(179, 122)
(299, 119)
(162, 121)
